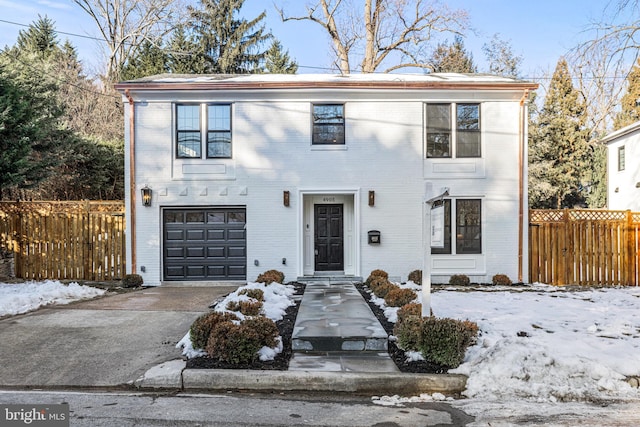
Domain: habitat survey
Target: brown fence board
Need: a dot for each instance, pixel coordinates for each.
(65, 240)
(584, 247)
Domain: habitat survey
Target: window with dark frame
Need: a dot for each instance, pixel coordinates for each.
(188, 136)
(468, 227)
(442, 127)
(328, 124)
(438, 130)
(218, 131)
(468, 223)
(447, 228)
(190, 130)
(467, 130)
(621, 160)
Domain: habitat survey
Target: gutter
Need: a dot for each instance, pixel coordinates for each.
(132, 179)
(521, 195)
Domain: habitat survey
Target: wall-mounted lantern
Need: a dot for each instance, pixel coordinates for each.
(372, 198)
(285, 198)
(146, 196)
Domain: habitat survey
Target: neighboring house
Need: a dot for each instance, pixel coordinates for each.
(318, 175)
(623, 168)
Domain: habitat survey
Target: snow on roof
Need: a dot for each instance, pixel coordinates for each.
(326, 78)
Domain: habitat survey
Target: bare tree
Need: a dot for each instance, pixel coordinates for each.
(374, 31)
(602, 63)
(125, 24)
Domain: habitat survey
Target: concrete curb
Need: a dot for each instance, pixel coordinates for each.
(174, 375)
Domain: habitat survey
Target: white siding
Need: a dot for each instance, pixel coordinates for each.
(623, 188)
(384, 152)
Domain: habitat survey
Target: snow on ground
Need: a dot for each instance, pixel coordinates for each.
(277, 298)
(17, 298)
(546, 344)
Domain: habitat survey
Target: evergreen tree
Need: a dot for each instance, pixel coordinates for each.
(149, 60)
(630, 102)
(278, 62)
(558, 146)
(40, 37)
(183, 54)
(452, 58)
(230, 45)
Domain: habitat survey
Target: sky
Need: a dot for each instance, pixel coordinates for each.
(522, 365)
(540, 31)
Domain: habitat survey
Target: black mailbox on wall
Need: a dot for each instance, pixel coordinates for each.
(374, 237)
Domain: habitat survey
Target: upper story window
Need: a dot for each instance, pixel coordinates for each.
(468, 227)
(328, 124)
(621, 160)
(453, 122)
(214, 133)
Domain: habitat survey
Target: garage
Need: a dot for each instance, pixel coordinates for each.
(205, 244)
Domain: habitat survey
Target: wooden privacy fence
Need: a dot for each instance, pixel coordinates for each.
(584, 247)
(65, 240)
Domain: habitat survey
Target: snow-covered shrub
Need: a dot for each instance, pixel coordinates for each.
(444, 341)
(501, 280)
(410, 309)
(381, 286)
(397, 297)
(249, 307)
(459, 280)
(266, 328)
(271, 276)
(376, 273)
(416, 277)
(237, 344)
(254, 293)
(201, 328)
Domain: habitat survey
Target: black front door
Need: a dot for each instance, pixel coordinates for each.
(329, 239)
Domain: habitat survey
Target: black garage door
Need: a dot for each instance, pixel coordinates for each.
(205, 244)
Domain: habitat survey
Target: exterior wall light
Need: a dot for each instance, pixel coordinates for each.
(146, 196)
(285, 198)
(372, 198)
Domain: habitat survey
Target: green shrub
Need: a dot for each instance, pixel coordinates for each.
(376, 273)
(459, 280)
(236, 344)
(409, 332)
(257, 294)
(397, 297)
(501, 280)
(271, 276)
(266, 329)
(202, 326)
(132, 281)
(416, 277)
(444, 341)
(246, 307)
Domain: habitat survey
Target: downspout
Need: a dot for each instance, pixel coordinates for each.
(132, 179)
(521, 195)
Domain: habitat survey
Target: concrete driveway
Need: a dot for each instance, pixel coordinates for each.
(106, 342)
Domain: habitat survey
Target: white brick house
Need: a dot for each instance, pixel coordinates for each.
(295, 172)
(623, 168)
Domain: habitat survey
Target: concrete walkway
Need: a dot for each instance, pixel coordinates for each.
(129, 340)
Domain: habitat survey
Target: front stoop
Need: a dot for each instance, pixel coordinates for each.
(333, 317)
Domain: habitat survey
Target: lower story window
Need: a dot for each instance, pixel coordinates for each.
(468, 227)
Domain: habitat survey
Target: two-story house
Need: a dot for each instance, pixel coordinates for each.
(316, 175)
(623, 168)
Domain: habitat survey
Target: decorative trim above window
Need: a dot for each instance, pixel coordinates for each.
(328, 124)
(195, 135)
